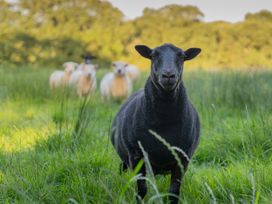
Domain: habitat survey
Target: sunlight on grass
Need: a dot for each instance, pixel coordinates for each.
(9, 115)
(22, 139)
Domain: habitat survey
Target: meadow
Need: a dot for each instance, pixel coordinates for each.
(55, 148)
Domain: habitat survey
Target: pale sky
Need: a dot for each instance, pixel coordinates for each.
(227, 10)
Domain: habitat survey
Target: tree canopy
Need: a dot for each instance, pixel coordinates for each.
(53, 31)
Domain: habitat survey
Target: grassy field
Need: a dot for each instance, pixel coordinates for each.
(55, 148)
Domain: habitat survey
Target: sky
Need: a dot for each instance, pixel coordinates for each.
(227, 10)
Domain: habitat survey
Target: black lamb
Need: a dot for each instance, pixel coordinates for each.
(164, 108)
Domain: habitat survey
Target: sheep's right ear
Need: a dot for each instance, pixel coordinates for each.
(144, 51)
(191, 53)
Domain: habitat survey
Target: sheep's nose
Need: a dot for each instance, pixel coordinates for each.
(168, 75)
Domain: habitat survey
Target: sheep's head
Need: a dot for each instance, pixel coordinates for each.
(119, 68)
(167, 63)
(88, 58)
(90, 70)
(69, 67)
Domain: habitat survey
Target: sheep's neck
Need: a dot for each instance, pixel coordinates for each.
(86, 80)
(164, 106)
(119, 86)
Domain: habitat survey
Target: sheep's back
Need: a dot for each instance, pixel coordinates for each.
(55, 78)
(133, 72)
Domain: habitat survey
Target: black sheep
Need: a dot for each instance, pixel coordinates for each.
(88, 57)
(162, 107)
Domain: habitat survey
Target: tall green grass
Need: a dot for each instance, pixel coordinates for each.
(55, 148)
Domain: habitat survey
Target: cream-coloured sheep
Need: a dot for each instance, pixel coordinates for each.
(79, 71)
(61, 78)
(87, 80)
(132, 71)
(116, 85)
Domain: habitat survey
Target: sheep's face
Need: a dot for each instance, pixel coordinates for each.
(70, 67)
(90, 71)
(119, 68)
(88, 59)
(167, 63)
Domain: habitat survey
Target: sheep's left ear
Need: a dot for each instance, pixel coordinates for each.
(144, 51)
(191, 53)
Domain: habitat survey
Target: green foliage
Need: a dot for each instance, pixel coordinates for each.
(55, 148)
(51, 32)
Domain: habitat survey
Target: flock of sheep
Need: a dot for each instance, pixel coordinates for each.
(116, 85)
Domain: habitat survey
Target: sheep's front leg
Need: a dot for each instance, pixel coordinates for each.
(141, 183)
(176, 177)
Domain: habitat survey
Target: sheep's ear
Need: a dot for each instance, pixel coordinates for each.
(64, 64)
(191, 53)
(144, 51)
(125, 65)
(96, 66)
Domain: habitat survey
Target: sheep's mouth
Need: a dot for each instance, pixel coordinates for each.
(120, 74)
(169, 84)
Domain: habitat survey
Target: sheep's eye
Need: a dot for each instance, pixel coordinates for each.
(180, 54)
(154, 55)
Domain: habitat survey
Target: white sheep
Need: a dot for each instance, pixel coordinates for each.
(61, 78)
(55, 79)
(116, 85)
(76, 75)
(79, 71)
(75, 78)
(132, 71)
(86, 83)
